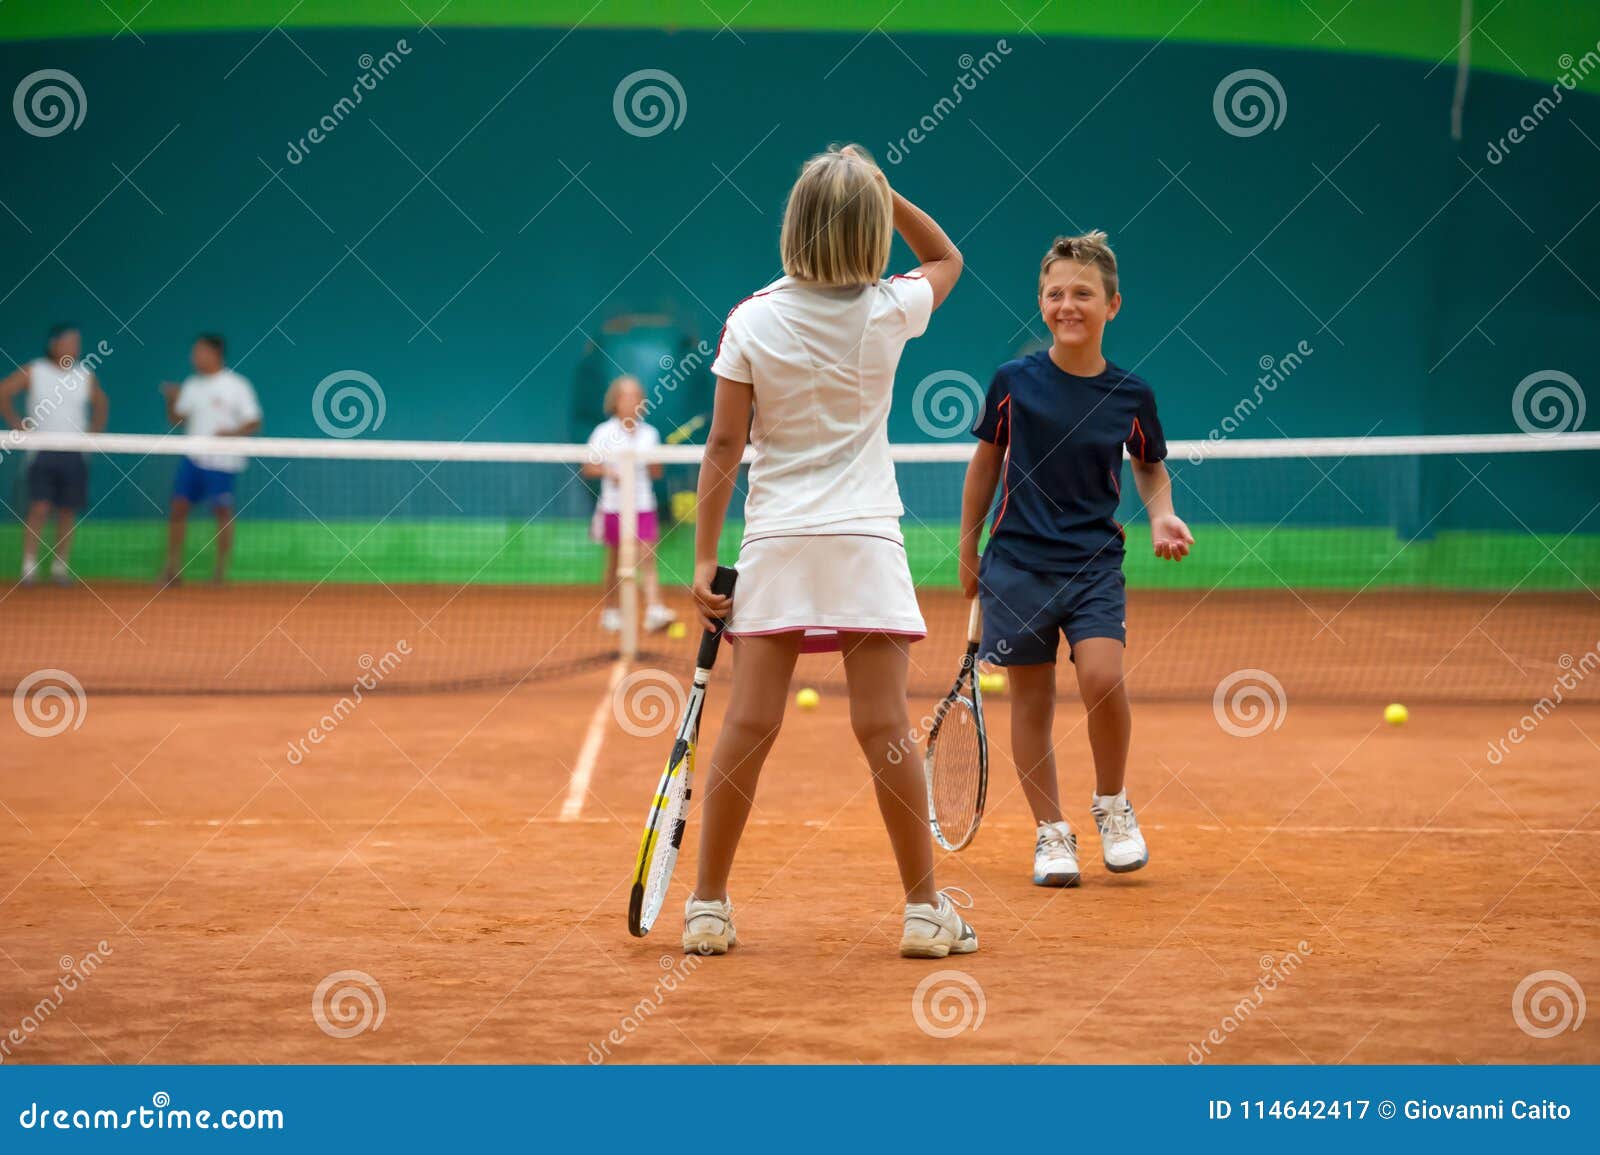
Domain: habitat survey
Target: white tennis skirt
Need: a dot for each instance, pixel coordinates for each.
(851, 578)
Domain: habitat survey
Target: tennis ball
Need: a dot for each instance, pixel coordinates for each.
(992, 683)
(1395, 714)
(677, 630)
(807, 699)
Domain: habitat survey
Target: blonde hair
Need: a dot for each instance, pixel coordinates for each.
(1089, 249)
(616, 387)
(839, 221)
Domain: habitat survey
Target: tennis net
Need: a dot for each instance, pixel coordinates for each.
(1414, 568)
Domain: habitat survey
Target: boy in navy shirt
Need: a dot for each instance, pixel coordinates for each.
(1051, 435)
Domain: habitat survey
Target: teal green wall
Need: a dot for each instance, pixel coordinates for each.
(1243, 255)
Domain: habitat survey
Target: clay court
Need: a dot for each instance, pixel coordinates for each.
(1398, 883)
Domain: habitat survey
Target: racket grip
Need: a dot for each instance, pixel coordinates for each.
(710, 640)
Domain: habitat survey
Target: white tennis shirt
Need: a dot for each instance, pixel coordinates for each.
(822, 364)
(58, 399)
(217, 403)
(606, 444)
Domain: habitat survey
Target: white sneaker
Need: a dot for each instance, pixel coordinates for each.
(708, 927)
(936, 931)
(30, 572)
(658, 617)
(1120, 841)
(60, 574)
(1055, 855)
(611, 621)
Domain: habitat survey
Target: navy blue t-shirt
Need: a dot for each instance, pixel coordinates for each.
(1063, 436)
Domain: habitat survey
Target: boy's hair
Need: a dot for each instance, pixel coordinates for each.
(1089, 249)
(57, 331)
(616, 387)
(215, 341)
(839, 221)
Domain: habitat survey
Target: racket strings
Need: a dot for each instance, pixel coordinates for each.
(664, 854)
(955, 779)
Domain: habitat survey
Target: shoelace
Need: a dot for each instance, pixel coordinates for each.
(1117, 823)
(1055, 840)
(950, 893)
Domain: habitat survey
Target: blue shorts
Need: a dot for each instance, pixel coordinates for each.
(1025, 613)
(200, 486)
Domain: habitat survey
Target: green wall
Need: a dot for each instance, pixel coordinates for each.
(1415, 268)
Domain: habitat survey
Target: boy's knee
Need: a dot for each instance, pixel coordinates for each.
(1098, 685)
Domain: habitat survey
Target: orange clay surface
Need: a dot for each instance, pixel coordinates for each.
(423, 844)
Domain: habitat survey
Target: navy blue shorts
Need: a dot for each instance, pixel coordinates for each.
(1025, 613)
(199, 486)
(61, 479)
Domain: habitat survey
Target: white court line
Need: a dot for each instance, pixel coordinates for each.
(589, 754)
(1210, 828)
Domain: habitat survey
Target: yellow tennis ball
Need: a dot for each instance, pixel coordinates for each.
(807, 699)
(1395, 714)
(992, 683)
(677, 630)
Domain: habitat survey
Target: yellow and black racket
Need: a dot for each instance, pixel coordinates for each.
(957, 761)
(669, 812)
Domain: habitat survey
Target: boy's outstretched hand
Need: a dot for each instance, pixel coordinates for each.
(1170, 537)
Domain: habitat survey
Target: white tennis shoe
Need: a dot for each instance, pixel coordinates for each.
(1055, 855)
(611, 620)
(1121, 843)
(936, 930)
(708, 927)
(658, 617)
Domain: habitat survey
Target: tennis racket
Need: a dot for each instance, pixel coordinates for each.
(957, 761)
(669, 811)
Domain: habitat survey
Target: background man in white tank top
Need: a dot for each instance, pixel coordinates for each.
(63, 396)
